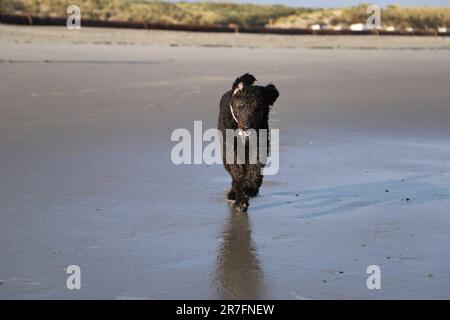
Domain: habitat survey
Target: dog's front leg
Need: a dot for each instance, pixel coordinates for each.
(253, 179)
(239, 188)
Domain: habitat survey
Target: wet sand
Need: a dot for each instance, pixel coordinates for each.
(86, 177)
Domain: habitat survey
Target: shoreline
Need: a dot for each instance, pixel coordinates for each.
(110, 36)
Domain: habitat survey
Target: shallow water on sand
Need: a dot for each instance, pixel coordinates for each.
(86, 176)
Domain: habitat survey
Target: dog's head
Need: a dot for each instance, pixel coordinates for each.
(250, 104)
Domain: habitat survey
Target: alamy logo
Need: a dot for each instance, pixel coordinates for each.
(73, 21)
(74, 280)
(240, 147)
(374, 20)
(374, 280)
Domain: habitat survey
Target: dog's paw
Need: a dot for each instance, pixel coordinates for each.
(242, 204)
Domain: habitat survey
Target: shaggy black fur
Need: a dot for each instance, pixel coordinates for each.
(251, 106)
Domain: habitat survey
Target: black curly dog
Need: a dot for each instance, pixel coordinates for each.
(245, 106)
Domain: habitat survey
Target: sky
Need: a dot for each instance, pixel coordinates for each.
(343, 3)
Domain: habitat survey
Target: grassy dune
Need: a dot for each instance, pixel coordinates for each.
(205, 13)
(209, 13)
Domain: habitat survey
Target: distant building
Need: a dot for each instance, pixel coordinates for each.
(443, 30)
(339, 28)
(359, 27)
(316, 27)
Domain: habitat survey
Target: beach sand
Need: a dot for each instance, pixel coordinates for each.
(86, 176)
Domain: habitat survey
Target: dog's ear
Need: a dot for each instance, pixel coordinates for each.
(271, 94)
(245, 80)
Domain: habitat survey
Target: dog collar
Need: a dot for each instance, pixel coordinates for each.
(231, 106)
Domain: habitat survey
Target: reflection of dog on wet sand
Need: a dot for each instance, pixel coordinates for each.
(238, 272)
(245, 107)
